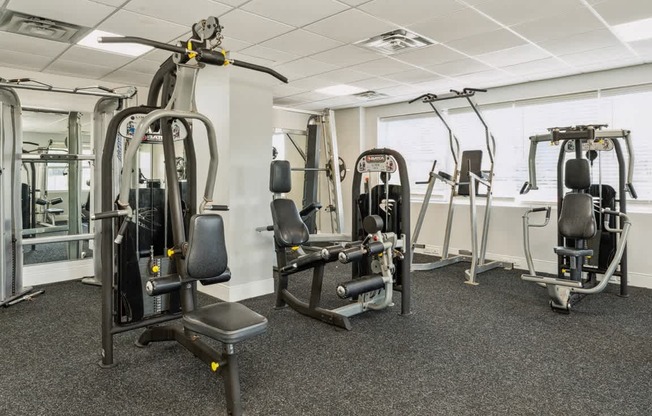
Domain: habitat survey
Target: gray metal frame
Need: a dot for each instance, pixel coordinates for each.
(477, 255)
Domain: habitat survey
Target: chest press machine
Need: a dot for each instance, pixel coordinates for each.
(590, 242)
(199, 251)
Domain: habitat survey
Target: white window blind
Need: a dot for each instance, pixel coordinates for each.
(422, 139)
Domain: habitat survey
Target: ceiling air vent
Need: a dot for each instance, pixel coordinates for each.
(395, 41)
(39, 27)
(370, 95)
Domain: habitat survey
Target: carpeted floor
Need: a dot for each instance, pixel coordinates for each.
(494, 349)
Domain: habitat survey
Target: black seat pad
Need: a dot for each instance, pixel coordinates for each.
(573, 252)
(226, 322)
(289, 228)
(576, 220)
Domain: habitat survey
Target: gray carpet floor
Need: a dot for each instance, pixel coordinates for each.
(494, 349)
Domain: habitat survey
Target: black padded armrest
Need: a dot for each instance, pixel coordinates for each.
(315, 206)
(224, 277)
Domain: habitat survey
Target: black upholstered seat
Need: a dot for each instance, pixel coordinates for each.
(573, 252)
(226, 322)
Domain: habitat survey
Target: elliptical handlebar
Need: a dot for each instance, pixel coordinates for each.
(202, 55)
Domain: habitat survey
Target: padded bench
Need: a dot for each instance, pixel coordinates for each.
(226, 322)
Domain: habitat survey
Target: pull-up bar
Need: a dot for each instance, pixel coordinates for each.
(95, 91)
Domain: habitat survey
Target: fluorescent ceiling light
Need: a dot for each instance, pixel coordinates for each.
(633, 31)
(340, 89)
(129, 49)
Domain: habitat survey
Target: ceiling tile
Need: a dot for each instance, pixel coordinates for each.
(461, 67)
(413, 75)
(512, 12)
(143, 66)
(374, 83)
(234, 45)
(125, 77)
(486, 79)
(287, 101)
(643, 47)
(312, 83)
(144, 26)
(12, 59)
(295, 13)
(622, 11)
(234, 3)
(399, 90)
(304, 67)
(513, 56)
(79, 12)
(27, 44)
(85, 55)
(486, 42)
(574, 21)
(310, 96)
(344, 76)
(354, 2)
(301, 42)
(594, 39)
(191, 12)
(272, 55)
(431, 55)
(460, 24)
(72, 68)
(247, 26)
(407, 12)
(536, 67)
(346, 56)
(350, 26)
(114, 3)
(284, 90)
(598, 55)
(380, 67)
(606, 65)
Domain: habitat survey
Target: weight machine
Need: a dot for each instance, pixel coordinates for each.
(197, 251)
(465, 180)
(592, 234)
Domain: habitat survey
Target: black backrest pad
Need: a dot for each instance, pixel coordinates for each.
(475, 157)
(576, 219)
(206, 256)
(289, 229)
(578, 174)
(280, 176)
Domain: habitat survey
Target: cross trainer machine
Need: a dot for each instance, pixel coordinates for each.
(198, 252)
(592, 234)
(465, 181)
(377, 254)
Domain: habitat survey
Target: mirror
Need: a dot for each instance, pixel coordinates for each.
(56, 190)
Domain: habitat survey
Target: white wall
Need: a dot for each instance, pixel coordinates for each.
(505, 235)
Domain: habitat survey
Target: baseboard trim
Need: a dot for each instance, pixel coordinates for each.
(46, 273)
(236, 293)
(542, 266)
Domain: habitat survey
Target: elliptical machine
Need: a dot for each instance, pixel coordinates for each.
(198, 251)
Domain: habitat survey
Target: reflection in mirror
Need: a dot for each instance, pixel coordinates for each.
(55, 191)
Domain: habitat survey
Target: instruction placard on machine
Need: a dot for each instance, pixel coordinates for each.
(377, 163)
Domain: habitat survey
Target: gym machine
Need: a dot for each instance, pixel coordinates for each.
(12, 290)
(465, 181)
(592, 234)
(378, 253)
(198, 251)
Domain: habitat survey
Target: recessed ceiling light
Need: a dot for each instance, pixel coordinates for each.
(633, 31)
(340, 89)
(129, 49)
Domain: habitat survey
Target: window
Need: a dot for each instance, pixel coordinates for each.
(422, 138)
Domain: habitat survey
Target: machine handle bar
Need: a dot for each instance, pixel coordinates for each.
(202, 55)
(110, 214)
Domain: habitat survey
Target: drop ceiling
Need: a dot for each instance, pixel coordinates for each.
(480, 43)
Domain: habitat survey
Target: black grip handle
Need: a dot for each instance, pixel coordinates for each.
(375, 247)
(109, 214)
(210, 57)
(260, 68)
(422, 96)
(216, 207)
(422, 182)
(525, 188)
(475, 90)
(632, 191)
(540, 209)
